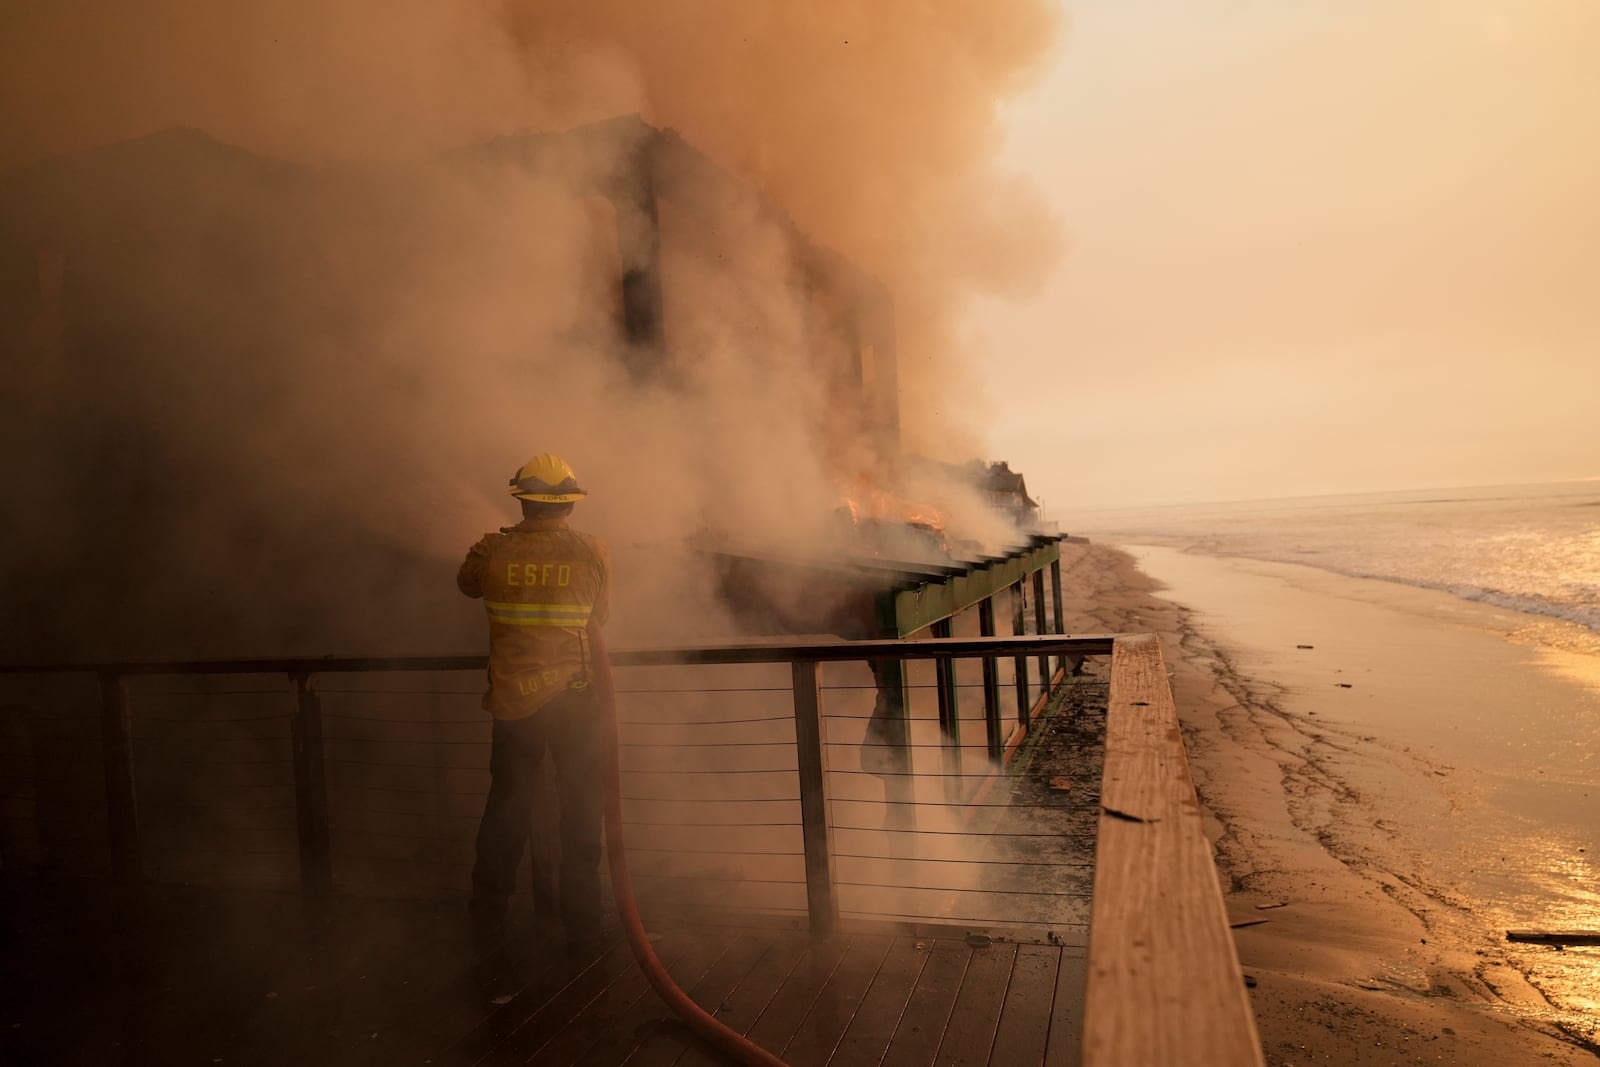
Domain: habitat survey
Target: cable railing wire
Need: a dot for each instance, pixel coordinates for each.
(703, 722)
(621, 690)
(973, 920)
(958, 889)
(946, 833)
(715, 825)
(343, 761)
(1052, 864)
(713, 800)
(363, 801)
(366, 787)
(344, 739)
(373, 857)
(713, 852)
(714, 878)
(345, 828)
(964, 805)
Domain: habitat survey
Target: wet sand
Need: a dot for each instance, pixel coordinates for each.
(1385, 803)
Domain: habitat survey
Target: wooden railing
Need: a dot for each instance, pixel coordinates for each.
(1164, 983)
(306, 725)
(1164, 980)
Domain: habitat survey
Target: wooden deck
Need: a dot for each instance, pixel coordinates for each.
(143, 970)
(174, 975)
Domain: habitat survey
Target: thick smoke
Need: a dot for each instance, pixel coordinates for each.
(292, 357)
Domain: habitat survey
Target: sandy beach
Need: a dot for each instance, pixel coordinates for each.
(1396, 777)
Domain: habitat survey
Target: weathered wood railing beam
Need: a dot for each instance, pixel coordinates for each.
(1164, 981)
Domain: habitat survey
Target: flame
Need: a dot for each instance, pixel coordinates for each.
(872, 504)
(882, 523)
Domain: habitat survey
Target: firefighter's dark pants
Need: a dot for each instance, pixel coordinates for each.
(568, 728)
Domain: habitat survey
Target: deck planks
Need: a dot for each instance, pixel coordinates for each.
(794, 999)
(514, 1036)
(665, 1044)
(916, 1039)
(969, 1035)
(868, 1035)
(386, 982)
(1064, 1044)
(627, 1031)
(1025, 1017)
(837, 1003)
(744, 1004)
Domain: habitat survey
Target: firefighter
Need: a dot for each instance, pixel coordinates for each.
(546, 590)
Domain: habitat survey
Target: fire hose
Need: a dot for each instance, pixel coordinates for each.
(702, 1023)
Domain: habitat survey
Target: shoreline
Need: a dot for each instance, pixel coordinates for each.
(1359, 952)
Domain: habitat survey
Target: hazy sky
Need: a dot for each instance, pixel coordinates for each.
(1313, 247)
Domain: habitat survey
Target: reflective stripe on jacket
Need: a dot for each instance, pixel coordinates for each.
(543, 585)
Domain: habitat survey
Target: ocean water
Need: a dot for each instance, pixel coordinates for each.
(1530, 548)
(1480, 776)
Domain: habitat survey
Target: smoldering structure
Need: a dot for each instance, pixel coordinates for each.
(250, 393)
(266, 377)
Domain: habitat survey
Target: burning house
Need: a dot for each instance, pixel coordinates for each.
(208, 349)
(245, 396)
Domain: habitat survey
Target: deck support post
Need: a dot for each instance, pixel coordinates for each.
(122, 814)
(949, 714)
(822, 906)
(991, 684)
(1055, 596)
(1039, 624)
(1019, 664)
(899, 787)
(311, 787)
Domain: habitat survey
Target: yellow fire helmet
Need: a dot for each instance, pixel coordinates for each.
(546, 479)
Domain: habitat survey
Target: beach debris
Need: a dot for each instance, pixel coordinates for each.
(1557, 938)
(1247, 922)
(1274, 904)
(503, 999)
(979, 940)
(1249, 981)
(1305, 646)
(1061, 783)
(1125, 816)
(1054, 938)
(1344, 685)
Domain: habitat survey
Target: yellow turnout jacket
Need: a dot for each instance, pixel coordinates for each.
(543, 585)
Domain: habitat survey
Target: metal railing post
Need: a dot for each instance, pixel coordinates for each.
(311, 787)
(1019, 668)
(944, 674)
(944, 688)
(991, 684)
(1045, 673)
(1055, 596)
(821, 905)
(122, 814)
